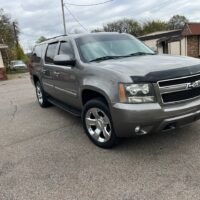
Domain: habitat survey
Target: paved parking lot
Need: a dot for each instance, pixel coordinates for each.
(44, 155)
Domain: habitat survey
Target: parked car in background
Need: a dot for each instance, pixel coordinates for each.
(17, 64)
(117, 84)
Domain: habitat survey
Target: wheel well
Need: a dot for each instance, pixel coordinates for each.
(90, 94)
(35, 79)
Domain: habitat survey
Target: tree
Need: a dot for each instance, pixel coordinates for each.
(8, 37)
(6, 29)
(18, 53)
(97, 30)
(123, 26)
(153, 26)
(41, 39)
(177, 22)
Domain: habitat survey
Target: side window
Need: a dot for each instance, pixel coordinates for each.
(50, 53)
(37, 53)
(66, 48)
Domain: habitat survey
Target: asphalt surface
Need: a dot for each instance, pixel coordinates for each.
(45, 154)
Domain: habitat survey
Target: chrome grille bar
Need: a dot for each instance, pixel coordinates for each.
(173, 88)
(179, 89)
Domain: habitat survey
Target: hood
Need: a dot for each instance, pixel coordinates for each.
(152, 68)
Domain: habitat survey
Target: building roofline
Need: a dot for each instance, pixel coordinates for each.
(160, 34)
(187, 31)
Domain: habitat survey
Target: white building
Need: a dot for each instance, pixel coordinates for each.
(2, 66)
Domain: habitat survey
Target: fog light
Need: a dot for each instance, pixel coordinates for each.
(137, 129)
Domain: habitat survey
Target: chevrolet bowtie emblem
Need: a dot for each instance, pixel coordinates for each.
(193, 85)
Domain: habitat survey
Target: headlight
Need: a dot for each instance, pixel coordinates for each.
(136, 93)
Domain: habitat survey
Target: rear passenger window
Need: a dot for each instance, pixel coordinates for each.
(66, 48)
(37, 53)
(50, 53)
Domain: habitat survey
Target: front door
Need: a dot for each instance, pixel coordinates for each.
(65, 78)
(48, 69)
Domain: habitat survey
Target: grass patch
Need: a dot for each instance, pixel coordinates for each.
(18, 71)
(17, 75)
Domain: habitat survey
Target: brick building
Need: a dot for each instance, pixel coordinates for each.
(2, 66)
(184, 41)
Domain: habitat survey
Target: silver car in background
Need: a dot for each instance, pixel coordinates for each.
(17, 64)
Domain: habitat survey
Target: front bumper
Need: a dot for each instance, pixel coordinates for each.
(153, 117)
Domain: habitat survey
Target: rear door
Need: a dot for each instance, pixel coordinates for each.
(65, 77)
(36, 61)
(48, 68)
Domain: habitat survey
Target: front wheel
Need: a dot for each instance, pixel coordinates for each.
(97, 123)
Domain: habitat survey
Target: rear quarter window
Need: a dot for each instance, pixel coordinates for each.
(37, 53)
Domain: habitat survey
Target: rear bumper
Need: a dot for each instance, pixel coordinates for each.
(152, 117)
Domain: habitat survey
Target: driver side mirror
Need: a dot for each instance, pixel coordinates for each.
(64, 59)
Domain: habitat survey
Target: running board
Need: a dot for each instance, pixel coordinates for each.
(65, 107)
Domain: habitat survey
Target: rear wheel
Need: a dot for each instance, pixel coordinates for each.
(98, 124)
(42, 100)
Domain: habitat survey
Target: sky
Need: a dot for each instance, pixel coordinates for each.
(44, 18)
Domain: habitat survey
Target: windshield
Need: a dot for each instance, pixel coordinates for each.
(17, 62)
(110, 46)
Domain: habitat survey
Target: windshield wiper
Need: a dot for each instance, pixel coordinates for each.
(115, 57)
(139, 53)
(104, 58)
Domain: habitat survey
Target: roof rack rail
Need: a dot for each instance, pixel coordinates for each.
(55, 37)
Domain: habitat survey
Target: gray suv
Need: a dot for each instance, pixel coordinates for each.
(116, 84)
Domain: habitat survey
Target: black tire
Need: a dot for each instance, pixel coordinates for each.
(42, 99)
(101, 106)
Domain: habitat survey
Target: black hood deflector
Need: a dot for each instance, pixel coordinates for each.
(153, 77)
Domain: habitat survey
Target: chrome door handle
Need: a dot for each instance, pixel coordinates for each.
(56, 73)
(44, 71)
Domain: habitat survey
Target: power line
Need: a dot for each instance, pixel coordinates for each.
(75, 18)
(95, 4)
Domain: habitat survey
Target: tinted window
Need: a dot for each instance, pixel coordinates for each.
(66, 48)
(50, 53)
(37, 53)
(17, 62)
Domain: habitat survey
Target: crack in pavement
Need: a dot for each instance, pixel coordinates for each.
(15, 109)
(3, 84)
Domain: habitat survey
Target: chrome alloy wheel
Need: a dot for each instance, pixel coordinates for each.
(39, 94)
(98, 125)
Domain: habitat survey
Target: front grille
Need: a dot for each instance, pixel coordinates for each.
(180, 96)
(180, 89)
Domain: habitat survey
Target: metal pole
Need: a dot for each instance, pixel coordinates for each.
(16, 39)
(15, 34)
(63, 15)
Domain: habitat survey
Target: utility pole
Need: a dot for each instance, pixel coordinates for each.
(63, 15)
(15, 34)
(16, 39)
